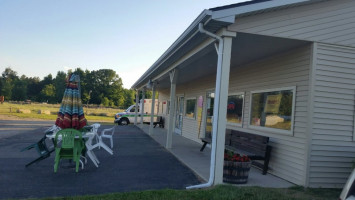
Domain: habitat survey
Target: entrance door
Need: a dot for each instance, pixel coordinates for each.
(179, 114)
(209, 114)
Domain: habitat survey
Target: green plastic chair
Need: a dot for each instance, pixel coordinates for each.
(41, 148)
(71, 147)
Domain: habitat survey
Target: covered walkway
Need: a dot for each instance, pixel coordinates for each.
(188, 152)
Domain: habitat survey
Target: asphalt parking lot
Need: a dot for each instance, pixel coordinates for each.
(138, 163)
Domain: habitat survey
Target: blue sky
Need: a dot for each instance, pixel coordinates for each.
(41, 37)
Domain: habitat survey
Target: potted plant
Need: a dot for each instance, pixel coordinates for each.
(236, 168)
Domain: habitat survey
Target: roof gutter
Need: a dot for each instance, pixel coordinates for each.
(215, 109)
(231, 13)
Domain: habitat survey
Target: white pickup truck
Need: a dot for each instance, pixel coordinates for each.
(128, 116)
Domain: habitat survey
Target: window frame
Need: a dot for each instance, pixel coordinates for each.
(268, 129)
(237, 124)
(185, 107)
(162, 107)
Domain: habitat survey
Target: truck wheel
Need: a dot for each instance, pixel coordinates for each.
(124, 122)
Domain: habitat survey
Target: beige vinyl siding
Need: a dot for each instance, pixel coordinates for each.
(190, 127)
(333, 146)
(331, 22)
(285, 70)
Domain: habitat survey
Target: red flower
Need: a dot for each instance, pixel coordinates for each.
(235, 157)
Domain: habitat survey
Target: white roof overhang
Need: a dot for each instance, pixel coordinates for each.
(213, 21)
(229, 14)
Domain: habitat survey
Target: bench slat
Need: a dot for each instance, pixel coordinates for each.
(248, 141)
(251, 147)
(259, 138)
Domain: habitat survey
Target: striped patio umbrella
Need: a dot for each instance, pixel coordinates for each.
(71, 113)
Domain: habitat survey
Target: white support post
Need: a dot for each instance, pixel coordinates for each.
(220, 106)
(136, 109)
(142, 108)
(152, 111)
(169, 138)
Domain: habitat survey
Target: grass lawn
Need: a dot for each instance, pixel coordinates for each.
(223, 192)
(33, 111)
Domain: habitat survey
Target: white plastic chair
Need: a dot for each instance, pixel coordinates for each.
(108, 133)
(95, 128)
(89, 149)
(89, 146)
(52, 130)
(103, 145)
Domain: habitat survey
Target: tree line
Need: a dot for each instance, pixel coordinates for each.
(101, 87)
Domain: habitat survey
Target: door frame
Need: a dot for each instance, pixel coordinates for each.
(204, 117)
(177, 97)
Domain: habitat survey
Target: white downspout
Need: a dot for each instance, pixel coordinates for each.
(215, 109)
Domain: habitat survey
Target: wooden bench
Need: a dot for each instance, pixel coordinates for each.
(254, 146)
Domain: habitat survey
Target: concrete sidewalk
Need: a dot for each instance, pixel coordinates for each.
(188, 152)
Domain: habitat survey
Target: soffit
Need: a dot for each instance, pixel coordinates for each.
(246, 48)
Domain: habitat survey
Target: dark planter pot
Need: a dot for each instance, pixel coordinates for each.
(236, 172)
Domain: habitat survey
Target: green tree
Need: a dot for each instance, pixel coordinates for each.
(19, 91)
(130, 96)
(46, 81)
(59, 84)
(33, 88)
(147, 94)
(6, 89)
(9, 74)
(48, 93)
(106, 83)
(8, 79)
(105, 101)
(91, 85)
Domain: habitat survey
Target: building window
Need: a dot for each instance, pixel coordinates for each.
(273, 109)
(235, 108)
(190, 108)
(162, 107)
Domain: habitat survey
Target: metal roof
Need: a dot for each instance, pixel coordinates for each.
(213, 19)
(237, 5)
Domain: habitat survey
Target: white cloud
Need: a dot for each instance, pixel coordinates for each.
(67, 68)
(129, 77)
